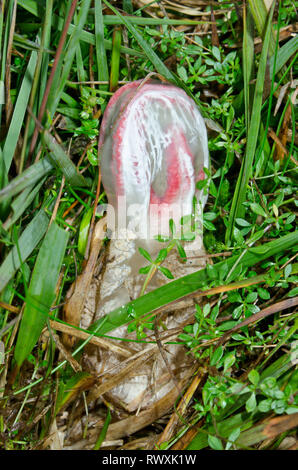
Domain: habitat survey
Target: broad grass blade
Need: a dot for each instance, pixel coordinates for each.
(42, 291)
(19, 113)
(188, 284)
(284, 54)
(260, 13)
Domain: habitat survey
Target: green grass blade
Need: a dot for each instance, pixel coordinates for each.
(113, 20)
(29, 239)
(58, 86)
(19, 113)
(42, 291)
(69, 390)
(237, 209)
(101, 57)
(260, 14)
(81, 72)
(61, 159)
(31, 6)
(152, 56)
(248, 60)
(188, 284)
(58, 22)
(284, 54)
(103, 431)
(24, 43)
(46, 44)
(20, 204)
(115, 61)
(30, 176)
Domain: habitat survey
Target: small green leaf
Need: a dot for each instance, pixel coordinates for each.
(216, 356)
(263, 293)
(293, 292)
(161, 255)
(251, 403)
(28, 240)
(182, 73)
(234, 435)
(145, 254)
(208, 225)
(166, 272)
(251, 297)
(145, 270)
(229, 360)
(254, 377)
(215, 443)
(265, 405)
(216, 53)
(257, 209)
(288, 270)
(242, 222)
(181, 250)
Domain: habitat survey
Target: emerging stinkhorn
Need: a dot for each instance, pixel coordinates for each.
(153, 149)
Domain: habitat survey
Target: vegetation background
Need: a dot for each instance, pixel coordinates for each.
(60, 63)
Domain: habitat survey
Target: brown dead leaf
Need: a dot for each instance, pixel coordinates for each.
(74, 306)
(277, 426)
(175, 418)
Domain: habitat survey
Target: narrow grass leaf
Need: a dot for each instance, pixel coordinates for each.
(139, 20)
(237, 209)
(260, 14)
(41, 292)
(248, 59)
(20, 204)
(84, 231)
(101, 57)
(30, 176)
(68, 391)
(284, 54)
(61, 159)
(32, 6)
(115, 61)
(103, 431)
(215, 443)
(19, 113)
(81, 72)
(29, 239)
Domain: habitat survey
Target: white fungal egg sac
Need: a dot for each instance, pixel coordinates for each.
(153, 148)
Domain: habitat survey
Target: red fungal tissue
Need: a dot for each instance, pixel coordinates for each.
(153, 149)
